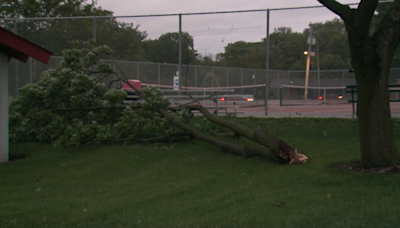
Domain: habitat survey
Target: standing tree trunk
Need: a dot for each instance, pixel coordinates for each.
(371, 57)
(375, 125)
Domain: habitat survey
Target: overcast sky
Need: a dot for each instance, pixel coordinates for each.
(146, 7)
(212, 33)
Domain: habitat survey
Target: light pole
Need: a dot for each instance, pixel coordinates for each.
(309, 41)
(318, 67)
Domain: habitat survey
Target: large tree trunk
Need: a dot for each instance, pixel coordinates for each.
(377, 144)
(371, 57)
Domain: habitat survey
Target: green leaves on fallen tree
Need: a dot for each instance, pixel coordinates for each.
(69, 107)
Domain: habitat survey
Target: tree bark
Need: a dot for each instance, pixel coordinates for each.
(371, 57)
(273, 149)
(245, 151)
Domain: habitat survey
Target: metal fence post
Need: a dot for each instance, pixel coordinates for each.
(267, 65)
(138, 71)
(343, 84)
(94, 28)
(318, 69)
(158, 74)
(227, 77)
(254, 93)
(343, 79)
(278, 84)
(241, 80)
(212, 76)
(195, 78)
(180, 51)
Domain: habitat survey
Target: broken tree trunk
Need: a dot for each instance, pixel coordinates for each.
(273, 149)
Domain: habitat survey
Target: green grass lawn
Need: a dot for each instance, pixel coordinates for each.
(193, 184)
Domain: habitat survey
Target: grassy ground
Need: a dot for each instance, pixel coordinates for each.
(194, 184)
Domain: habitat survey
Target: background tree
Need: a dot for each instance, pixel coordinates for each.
(165, 49)
(210, 80)
(371, 57)
(46, 8)
(381, 11)
(286, 48)
(333, 44)
(109, 32)
(43, 32)
(207, 61)
(244, 54)
(286, 52)
(55, 35)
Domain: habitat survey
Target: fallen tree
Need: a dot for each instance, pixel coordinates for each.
(73, 106)
(273, 149)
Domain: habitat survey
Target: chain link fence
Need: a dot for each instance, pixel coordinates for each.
(222, 49)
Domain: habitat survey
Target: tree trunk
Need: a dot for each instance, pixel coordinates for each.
(371, 57)
(372, 63)
(377, 144)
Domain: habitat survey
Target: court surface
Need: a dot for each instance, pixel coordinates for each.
(257, 109)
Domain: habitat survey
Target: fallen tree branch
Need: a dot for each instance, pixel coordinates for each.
(277, 146)
(245, 151)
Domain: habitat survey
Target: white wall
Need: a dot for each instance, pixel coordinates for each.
(3, 108)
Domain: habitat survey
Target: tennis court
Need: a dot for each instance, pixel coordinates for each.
(343, 110)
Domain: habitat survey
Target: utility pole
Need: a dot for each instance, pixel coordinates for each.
(310, 41)
(319, 85)
(267, 65)
(180, 53)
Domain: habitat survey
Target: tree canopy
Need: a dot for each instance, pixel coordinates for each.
(165, 49)
(50, 8)
(56, 35)
(287, 47)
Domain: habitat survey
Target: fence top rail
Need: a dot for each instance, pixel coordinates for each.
(174, 14)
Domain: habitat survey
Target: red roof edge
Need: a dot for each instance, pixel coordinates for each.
(19, 48)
